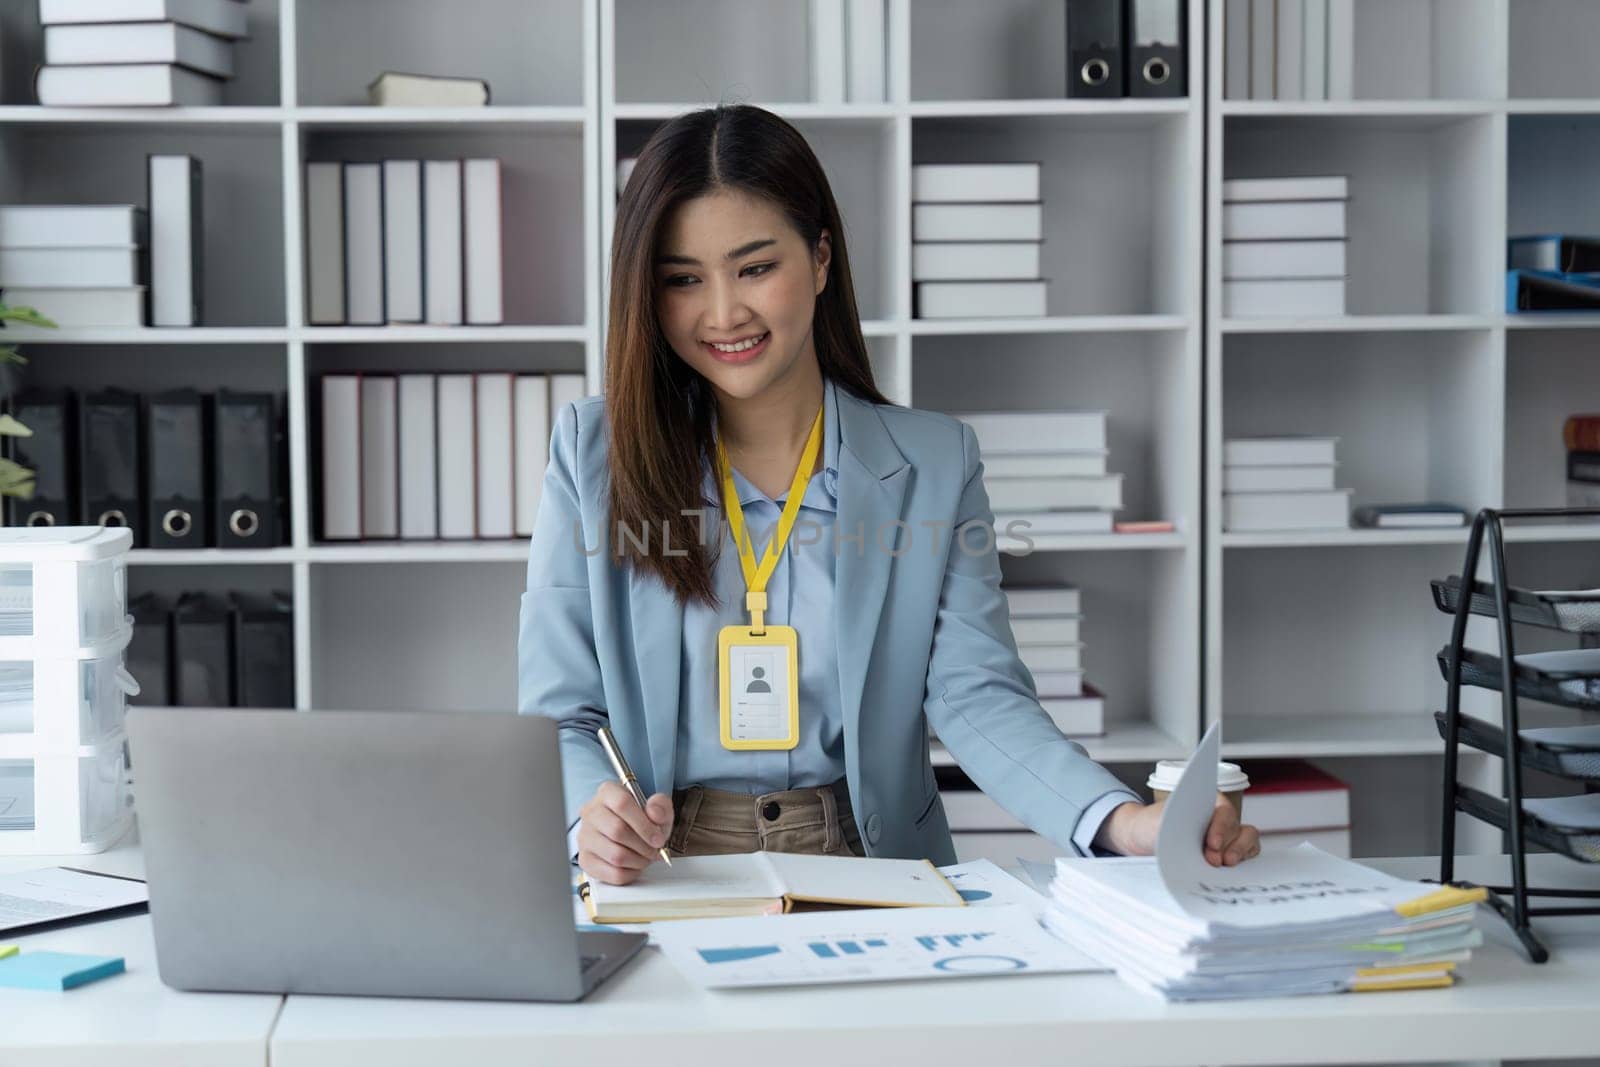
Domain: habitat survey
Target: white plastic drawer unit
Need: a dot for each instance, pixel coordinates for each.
(84, 701)
(61, 588)
(62, 805)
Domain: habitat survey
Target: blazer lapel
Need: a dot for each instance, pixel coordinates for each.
(657, 624)
(873, 476)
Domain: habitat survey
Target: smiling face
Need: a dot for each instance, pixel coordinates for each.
(731, 268)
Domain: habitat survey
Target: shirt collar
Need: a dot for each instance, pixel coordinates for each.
(822, 493)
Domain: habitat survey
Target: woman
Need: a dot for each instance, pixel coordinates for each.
(777, 697)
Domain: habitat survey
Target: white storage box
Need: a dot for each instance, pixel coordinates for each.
(87, 700)
(63, 805)
(62, 588)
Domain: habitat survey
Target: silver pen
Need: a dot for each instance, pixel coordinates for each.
(624, 772)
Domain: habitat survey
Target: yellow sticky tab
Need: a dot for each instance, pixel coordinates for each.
(1448, 897)
(1420, 983)
(758, 688)
(8, 950)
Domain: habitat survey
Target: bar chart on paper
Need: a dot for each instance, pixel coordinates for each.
(879, 945)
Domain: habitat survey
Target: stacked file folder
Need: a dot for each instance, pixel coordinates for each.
(138, 52)
(1047, 623)
(1283, 246)
(1045, 471)
(976, 233)
(1282, 483)
(404, 241)
(183, 469)
(436, 456)
(1292, 923)
(207, 650)
(1289, 49)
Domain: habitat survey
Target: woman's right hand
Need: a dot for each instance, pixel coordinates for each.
(616, 840)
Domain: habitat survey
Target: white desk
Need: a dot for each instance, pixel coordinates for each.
(1505, 1009)
(128, 1020)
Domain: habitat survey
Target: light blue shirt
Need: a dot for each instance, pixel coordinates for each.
(800, 593)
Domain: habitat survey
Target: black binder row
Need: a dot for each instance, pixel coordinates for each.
(208, 650)
(1127, 48)
(183, 469)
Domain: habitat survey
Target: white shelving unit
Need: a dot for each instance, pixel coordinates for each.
(1469, 126)
(1474, 119)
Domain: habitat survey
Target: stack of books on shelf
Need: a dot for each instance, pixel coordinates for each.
(122, 53)
(1282, 483)
(106, 265)
(1045, 471)
(1552, 272)
(436, 456)
(77, 265)
(1581, 434)
(1289, 50)
(1292, 802)
(395, 88)
(183, 469)
(1283, 246)
(1047, 623)
(404, 241)
(976, 230)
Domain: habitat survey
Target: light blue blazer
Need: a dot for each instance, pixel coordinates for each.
(923, 631)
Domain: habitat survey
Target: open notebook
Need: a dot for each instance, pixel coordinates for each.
(755, 883)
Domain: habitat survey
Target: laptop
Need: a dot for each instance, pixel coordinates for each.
(406, 854)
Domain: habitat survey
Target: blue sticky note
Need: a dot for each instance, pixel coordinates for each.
(56, 970)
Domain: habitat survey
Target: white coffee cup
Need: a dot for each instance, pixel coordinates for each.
(1231, 781)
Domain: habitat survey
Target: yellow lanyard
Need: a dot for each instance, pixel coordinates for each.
(755, 578)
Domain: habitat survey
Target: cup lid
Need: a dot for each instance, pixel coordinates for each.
(1230, 777)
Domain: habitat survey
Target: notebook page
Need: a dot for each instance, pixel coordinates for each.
(859, 879)
(739, 877)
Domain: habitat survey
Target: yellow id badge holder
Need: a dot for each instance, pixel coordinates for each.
(759, 687)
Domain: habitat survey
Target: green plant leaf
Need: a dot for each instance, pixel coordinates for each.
(26, 316)
(10, 427)
(15, 479)
(11, 355)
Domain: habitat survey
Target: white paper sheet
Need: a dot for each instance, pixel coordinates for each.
(984, 884)
(53, 893)
(881, 944)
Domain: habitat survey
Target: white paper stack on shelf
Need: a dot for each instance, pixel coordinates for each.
(1045, 471)
(437, 456)
(1292, 802)
(1283, 246)
(404, 241)
(124, 53)
(1282, 483)
(976, 233)
(75, 264)
(1287, 923)
(1047, 622)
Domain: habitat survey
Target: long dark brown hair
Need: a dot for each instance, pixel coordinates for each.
(660, 408)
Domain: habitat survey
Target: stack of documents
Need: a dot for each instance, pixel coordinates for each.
(1283, 246)
(1047, 623)
(1282, 483)
(976, 232)
(1045, 471)
(1291, 923)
